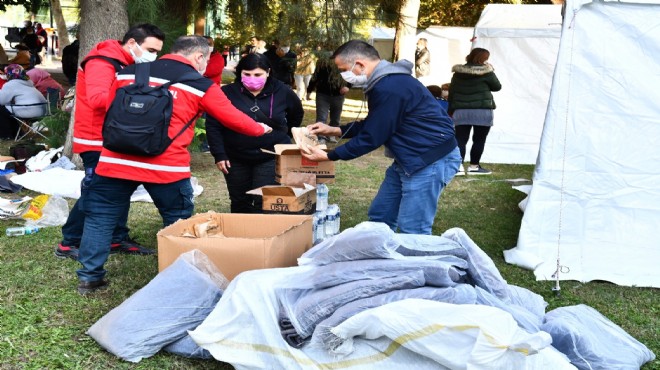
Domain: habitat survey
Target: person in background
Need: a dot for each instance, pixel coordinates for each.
(216, 63)
(4, 60)
(43, 81)
(95, 77)
(31, 40)
(331, 89)
(305, 66)
(19, 98)
(22, 56)
(440, 93)
(404, 117)
(239, 157)
(70, 60)
(422, 59)
(471, 105)
(42, 34)
(225, 53)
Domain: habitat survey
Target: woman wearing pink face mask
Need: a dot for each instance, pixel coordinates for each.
(238, 156)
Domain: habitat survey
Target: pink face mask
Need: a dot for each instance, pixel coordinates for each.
(253, 83)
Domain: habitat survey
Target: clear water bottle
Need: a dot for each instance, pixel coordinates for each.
(332, 220)
(321, 197)
(318, 228)
(21, 230)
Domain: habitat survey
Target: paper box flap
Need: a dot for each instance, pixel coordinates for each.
(281, 149)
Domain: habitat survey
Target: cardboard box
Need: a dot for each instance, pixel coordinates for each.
(289, 159)
(287, 199)
(238, 242)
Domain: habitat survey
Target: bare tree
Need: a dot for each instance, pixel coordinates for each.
(100, 20)
(62, 32)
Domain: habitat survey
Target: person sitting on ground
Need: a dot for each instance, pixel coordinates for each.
(22, 56)
(42, 80)
(19, 98)
(257, 93)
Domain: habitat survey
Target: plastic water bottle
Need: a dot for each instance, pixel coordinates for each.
(321, 197)
(318, 228)
(332, 220)
(21, 230)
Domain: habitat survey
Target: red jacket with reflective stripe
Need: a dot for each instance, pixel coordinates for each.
(92, 89)
(191, 98)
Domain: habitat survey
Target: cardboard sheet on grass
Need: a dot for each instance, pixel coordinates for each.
(238, 242)
(296, 195)
(66, 183)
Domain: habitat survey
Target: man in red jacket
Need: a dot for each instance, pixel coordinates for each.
(140, 44)
(166, 177)
(216, 63)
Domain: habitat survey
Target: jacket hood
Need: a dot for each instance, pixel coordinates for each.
(473, 69)
(385, 68)
(112, 49)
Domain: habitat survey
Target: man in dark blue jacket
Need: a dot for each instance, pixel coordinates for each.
(404, 117)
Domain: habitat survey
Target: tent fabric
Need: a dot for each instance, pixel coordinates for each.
(523, 41)
(593, 209)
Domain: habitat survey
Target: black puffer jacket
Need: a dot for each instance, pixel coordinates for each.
(471, 87)
(277, 102)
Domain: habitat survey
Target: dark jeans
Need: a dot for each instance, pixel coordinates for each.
(332, 104)
(106, 200)
(244, 177)
(478, 141)
(72, 230)
(8, 125)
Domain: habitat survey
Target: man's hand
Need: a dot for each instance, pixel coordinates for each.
(315, 154)
(267, 129)
(320, 128)
(223, 166)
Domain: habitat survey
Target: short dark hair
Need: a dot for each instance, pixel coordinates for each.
(477, 56)
(141, 31)
(186, 45)
(354, 49)
(253, 61)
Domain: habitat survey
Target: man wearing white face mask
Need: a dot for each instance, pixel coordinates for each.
(140, 44)
(404, 117)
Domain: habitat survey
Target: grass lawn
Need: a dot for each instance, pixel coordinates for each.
(43, 319)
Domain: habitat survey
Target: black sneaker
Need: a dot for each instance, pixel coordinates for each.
(130, 246)
(64, 251)
(86, 287)
(478, 170)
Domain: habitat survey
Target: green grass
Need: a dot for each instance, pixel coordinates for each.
(43, 320)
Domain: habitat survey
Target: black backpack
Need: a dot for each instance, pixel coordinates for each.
(139, 117)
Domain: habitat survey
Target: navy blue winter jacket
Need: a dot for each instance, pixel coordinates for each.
(403, 116)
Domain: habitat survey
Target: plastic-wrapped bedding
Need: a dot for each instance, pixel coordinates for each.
(187, 347)
(523, 317)
(591, 341)
(367, 240)
(323, 336)
(412, 245)
(178, 299)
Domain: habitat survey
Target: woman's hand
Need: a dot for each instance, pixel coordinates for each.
(223, 166)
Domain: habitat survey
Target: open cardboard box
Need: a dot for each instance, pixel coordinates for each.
(289, 160)
(238, 242)
(297, 196)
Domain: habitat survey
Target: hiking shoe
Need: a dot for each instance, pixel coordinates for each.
(86, 287)
(64, 251)
(461, 171)
(130, 246)
(477, 170)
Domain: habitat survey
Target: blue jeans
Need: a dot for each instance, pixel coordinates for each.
(103, 206)
(73, 228)
(333, 104)
(243, 177)
(410, 202)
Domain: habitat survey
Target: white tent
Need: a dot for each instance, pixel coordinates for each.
(594, 208)
(382, 38)
(523, 41)
(448, 46)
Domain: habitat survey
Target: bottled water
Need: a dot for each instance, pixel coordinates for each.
(332, 220)
(21, 230)
(318, 227)
(321, 197)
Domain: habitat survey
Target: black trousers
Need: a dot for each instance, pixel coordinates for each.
(478, 141)
(8, 125)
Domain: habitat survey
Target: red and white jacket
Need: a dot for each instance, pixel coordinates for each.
(191, 98)
(92, 89)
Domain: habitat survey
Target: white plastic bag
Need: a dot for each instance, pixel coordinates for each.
(43, 159)
(54, 213)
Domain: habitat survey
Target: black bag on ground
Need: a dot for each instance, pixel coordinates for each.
(139, 117)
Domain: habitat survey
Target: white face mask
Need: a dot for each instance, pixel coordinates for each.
(146, 56)
(353, 79)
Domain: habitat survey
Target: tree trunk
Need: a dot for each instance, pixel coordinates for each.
(62, 32)
(405, 38)
(99, 20)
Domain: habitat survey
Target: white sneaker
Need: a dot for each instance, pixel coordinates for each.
(461, 171)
